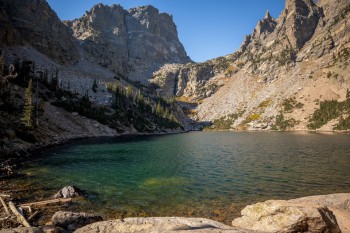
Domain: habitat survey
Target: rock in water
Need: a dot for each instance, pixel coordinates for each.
(69, 192)
(287, 216)
(72, 221)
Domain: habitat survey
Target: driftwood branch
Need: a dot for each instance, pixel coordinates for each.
(5, 206)
(44, 203)
(19, 216)
(4, 195)
(31, 217)
(27, 207)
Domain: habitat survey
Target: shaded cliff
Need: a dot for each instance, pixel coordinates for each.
(34, 23)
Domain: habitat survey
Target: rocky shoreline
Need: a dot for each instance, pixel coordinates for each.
(324, 213)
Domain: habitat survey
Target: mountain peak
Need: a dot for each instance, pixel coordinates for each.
(267, 15)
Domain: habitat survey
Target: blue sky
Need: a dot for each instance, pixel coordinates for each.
(207, 28)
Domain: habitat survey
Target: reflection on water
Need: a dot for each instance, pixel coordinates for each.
(208, 174)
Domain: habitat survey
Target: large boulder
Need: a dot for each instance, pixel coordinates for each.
(69, 192)
(22, 230)
(155, 225)
(327, 213)
(72, 221)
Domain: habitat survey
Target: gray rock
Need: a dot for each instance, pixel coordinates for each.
(69, 192)
(301, 18)
(131, 43)
(72, 221)
(159, 225)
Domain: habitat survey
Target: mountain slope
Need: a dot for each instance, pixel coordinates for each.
(82, 89)
(279, 76)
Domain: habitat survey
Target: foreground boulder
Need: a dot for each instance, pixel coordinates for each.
(155, 225)
(22, 230)
(69, 192)
(327, 213)
(72, 221)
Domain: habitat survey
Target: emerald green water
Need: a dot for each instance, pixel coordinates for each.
(209, 174)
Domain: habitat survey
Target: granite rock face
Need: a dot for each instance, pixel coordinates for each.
(324, 213)
(72, 221)
(300, 19)
(281, 216)
(155, 225)
(34, 23)
(132, 43)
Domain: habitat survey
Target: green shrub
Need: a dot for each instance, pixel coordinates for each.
(265, 103)
(283, 124)
(225, 122)
(329, 110)
(290, 104)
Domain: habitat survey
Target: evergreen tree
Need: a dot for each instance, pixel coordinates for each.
(159, 109)
(94, 86)
(166, 113)
(140, 99)
(129, 91)
(1, 65)
(27, 119)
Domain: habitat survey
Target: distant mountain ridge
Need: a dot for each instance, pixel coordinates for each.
(131, 43)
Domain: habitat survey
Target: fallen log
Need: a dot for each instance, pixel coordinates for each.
(5, 206)
(31, 217)
(19, 216)
(47, 202)
(4, 195)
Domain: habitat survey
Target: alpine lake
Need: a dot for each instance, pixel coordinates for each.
(197, 174)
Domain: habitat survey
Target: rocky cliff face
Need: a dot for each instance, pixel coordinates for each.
(45, 31)
(131, 43)
(281, 73)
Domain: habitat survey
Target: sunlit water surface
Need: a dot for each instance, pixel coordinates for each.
(208, 174)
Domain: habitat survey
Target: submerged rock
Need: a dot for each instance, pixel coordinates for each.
(72, 221)
(155, 225)
(69, 192)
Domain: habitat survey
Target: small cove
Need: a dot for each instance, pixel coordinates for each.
(201, 174)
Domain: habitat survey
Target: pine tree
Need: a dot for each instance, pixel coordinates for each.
(1, 65)
(27, 119)
(159, 109)
(129, 91)
(166, 113)
(94, 86)
(139, 98)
